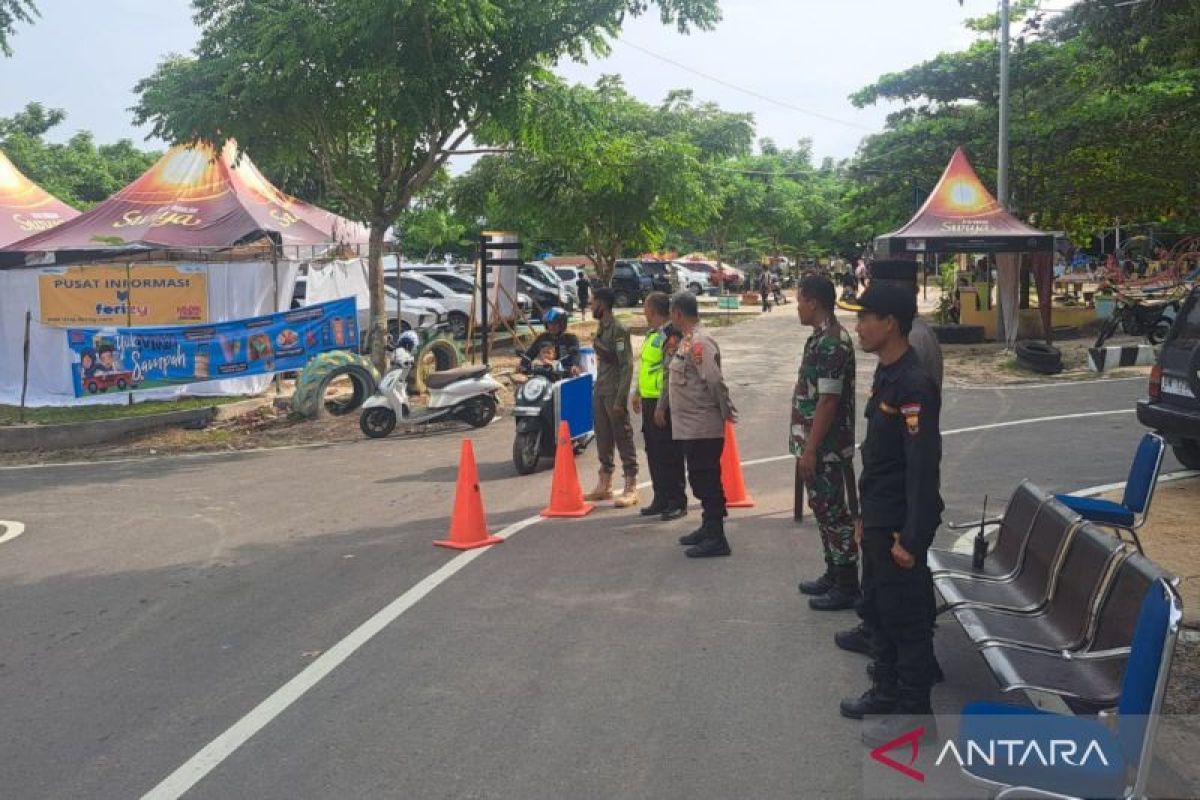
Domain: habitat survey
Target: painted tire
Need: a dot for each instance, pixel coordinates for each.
(309, 398)
(436, 355)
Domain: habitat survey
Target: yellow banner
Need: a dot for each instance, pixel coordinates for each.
(145, 294)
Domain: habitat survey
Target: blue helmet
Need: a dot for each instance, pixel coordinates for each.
(555, 314)
(409, 341)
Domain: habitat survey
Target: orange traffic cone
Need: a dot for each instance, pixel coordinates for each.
(468, 524)
(566, 495)
(732, 482)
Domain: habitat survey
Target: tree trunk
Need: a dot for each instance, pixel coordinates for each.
(377, 343)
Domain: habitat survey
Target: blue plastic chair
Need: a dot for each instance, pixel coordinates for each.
(1127, 745)
(1131, 513)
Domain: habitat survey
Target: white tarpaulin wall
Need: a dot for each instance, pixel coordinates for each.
(1008, 295)
(235, 291)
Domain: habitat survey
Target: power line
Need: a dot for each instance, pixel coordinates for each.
(744, 90)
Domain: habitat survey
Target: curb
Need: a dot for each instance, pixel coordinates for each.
(1138, 355)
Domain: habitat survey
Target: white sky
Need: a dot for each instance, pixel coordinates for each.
(85, 56)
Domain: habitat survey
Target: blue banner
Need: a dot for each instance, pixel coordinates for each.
(132, 359)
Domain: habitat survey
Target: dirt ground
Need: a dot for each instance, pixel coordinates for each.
(991, 364)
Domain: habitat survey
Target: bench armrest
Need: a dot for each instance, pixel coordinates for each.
(1094, 655)
(966, 526)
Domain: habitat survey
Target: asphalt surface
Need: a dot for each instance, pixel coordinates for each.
(150, 605)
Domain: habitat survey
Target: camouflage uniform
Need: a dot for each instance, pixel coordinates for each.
(828, 368)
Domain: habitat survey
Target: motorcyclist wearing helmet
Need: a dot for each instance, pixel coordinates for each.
(566, 345)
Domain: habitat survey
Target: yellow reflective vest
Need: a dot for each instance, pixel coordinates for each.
(651, 372)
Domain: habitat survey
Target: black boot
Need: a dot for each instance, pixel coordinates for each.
(713, 545)
(855, 640)
(672, 512)
(822, 584)
(912, 711)
(843, 594)
(881, 698)
(696, 536)
(938, 675)
(655, 508)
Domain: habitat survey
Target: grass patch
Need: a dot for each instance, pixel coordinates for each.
(57, 415)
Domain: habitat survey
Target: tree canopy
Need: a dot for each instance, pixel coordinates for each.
(12, 12)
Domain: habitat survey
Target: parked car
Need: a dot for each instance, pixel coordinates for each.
(570, 276)
(421, 285)
(695, 281)
(465, 285)
(659, 273)
(546, 280)
(552, 278)
(630, 286)
(544, 297)
(1173, 406)
(418, 315)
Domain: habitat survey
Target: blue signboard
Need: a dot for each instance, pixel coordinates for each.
(131, 359)
(574, 404)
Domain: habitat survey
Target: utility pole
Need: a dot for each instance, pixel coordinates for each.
(1002, 149)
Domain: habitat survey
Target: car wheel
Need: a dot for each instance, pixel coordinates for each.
(695, 288)
(1188, 453)
(621, 299)
(1158, 334)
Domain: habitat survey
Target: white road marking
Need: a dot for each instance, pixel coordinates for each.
(215, 752)
(979, 387)
(220, 748)
(11, 530)
(976, 428)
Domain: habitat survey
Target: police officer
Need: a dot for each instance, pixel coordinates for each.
(698, 401)
(901, 510)
(610, 400)
(566, 345)
(822, 438)
(662, 456)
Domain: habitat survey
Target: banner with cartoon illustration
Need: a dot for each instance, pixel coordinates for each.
(143, 294)
(132, 359)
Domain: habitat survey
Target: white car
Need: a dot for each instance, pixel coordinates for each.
(694, 280)
(542, 278)
(422, 285)
(419, 316)
(461, 284)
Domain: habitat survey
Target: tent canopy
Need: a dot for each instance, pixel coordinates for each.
(190, 198)
(961, 216)
(25, 207)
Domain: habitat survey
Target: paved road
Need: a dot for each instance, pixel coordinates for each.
(150, 605)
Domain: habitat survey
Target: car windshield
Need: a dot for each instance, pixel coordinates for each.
(452, 282)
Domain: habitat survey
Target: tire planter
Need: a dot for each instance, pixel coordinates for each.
(309, 398)
(436, 355)
(1045, 359)
(959, 334)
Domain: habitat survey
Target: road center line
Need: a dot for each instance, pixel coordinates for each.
(215, 752)
(11, 530)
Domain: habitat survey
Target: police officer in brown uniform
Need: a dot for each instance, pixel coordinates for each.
(698, 401)
(610, 402)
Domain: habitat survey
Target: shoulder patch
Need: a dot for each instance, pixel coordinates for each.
(912, 417)
(697, 352)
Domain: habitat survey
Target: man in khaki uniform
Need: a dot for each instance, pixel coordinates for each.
(698, 401)
(610, 401)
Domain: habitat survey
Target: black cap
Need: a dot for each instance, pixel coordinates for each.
(894, 269)
(886, 300)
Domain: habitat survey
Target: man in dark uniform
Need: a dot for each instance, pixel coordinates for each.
(901, 511)
(584, 288)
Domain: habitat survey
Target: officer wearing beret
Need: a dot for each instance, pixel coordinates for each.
(901, 511)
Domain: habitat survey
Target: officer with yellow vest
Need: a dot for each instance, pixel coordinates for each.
(666, 462)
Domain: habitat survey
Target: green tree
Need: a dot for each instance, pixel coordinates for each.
(379, 95)
(12, 12)
(79, 172)
(605, 173)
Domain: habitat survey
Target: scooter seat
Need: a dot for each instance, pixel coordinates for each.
(440, 380)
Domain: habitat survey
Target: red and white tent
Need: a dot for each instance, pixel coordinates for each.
(25, 207)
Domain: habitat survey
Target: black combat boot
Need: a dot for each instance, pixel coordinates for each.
(655, 508)
(938, 675)
(912, 711)
(881, 698)
(855, 640)
(671, 512)
(822, 584)
(843, 594)
(713, 545)
(696, 536)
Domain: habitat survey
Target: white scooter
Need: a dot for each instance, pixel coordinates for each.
(466, 394)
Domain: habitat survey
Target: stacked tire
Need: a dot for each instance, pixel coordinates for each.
(1039, 357)
(309, 398)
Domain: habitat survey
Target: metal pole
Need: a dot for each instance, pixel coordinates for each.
(483, 297)
(25, 366)
(1002, 150)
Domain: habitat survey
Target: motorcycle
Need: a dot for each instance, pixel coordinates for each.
(466, 394)
(1141, 316)
(536, 417)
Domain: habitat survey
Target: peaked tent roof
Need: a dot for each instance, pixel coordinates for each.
(189, 199)
(961, 215)
(25, 207)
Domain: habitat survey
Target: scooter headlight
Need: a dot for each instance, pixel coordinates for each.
(535, 388)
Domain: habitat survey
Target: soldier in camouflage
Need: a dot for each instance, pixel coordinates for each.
(822, 438)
